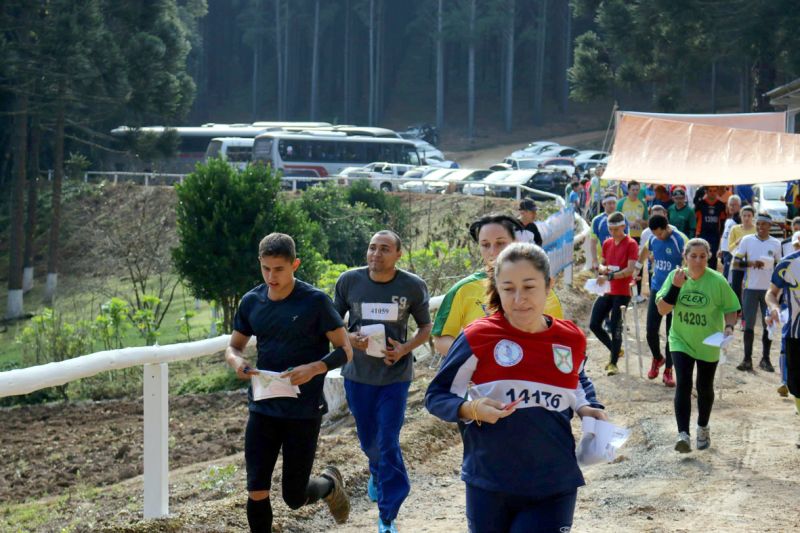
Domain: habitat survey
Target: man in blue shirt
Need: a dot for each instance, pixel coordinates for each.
(666, 244)
(745, 193)
(294, 323)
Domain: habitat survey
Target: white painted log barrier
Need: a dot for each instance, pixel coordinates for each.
(154, 360)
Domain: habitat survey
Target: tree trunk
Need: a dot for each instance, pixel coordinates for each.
(255, 80)
(564, 89)
(371, 102)
(14, 308)
(714, 86)
(744, 88)
(471, 73)
(286, 24)
(380, 46)
(763, 76)
(55, 223)
(33, 198)
(439, 68)
(314, 104)
(509, 79)
(346, 69)
(538, 88)
(279, 56)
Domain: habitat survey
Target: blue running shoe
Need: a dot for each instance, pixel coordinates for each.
(372, 490)
(386, 528)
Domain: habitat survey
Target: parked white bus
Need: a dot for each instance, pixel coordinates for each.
(237, 151)
(194, 141)
(327, 153)
(191, 148)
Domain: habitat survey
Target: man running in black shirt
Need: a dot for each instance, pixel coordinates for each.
(293, 323)
(710, 215)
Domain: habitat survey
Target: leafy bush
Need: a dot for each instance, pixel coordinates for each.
(439, 265)
(212, 381)
(392, 214)
(222, 215)
(330, 274)
(347, 227)
(49, 339)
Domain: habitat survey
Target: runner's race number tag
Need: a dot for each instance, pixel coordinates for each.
(536, 398)
(379, 311)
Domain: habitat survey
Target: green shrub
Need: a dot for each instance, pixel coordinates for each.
(439, 265)
(347, 227)
(222, 214)
(49, 339)
(212, 381)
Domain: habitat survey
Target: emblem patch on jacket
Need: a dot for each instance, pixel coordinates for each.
(562, 357)
(507, 353)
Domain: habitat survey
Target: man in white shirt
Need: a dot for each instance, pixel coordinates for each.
(758, 254)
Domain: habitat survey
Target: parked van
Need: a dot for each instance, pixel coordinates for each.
(237, 151)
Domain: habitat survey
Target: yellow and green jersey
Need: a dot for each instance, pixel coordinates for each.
(465, 302)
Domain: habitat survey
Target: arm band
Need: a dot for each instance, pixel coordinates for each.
(638, 265)
(671, 297)
(335, 359)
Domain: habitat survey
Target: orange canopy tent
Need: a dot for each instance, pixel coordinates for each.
(704, 149)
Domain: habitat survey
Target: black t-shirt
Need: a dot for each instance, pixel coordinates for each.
(289, 332)
(710, 219)
(537, 237)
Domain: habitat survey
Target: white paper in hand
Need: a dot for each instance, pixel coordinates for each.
(718, 339)
(600, 441)
(268, 384)
(593, 287)
(768, 261)
(377, 339)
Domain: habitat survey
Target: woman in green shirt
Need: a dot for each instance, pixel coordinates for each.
(702, 304)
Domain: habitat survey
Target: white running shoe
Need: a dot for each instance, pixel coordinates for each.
(683, 445)
(703, 437)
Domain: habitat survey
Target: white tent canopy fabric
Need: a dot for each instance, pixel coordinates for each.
(651, 149)
(775, 122)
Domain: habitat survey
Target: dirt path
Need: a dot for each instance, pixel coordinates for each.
(745, 482)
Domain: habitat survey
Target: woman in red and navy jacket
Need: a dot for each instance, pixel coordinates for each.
(511, 381)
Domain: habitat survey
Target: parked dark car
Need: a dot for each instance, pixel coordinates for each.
(425, 132)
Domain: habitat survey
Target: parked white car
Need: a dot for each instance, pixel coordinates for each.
(432, 183)
(521, 164)
(589, 155)
(379, 174)
(480, 188)
(770, 197)
(533, 149)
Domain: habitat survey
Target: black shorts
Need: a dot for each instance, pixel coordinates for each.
(263, 440)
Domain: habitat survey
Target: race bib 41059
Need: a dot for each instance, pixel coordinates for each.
(379, 311)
